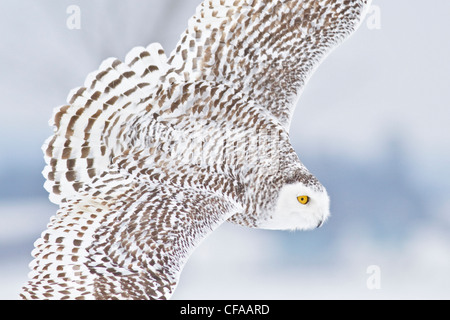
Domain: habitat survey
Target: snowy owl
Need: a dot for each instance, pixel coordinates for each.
(152, 154)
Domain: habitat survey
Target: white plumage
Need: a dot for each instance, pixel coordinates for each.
(152, 154)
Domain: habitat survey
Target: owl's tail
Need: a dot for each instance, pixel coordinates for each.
(88, 129)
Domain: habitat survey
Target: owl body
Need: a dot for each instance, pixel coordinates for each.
(152, 154)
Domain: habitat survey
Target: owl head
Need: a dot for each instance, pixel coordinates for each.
(302, 203)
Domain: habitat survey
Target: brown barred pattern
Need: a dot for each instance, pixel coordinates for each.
(154, 153)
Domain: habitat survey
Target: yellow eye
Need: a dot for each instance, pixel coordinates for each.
(303, 199)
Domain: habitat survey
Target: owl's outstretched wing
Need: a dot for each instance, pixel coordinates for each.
(96, 124)
(127, 237)
(267, 48)
(131, 211)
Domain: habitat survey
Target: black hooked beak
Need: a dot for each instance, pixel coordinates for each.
(319, 224)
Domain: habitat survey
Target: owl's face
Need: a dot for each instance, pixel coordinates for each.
(298, 207)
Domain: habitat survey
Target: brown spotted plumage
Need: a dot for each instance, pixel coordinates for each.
(154, 153)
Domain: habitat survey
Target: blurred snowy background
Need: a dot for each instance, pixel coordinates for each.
(373, 124)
